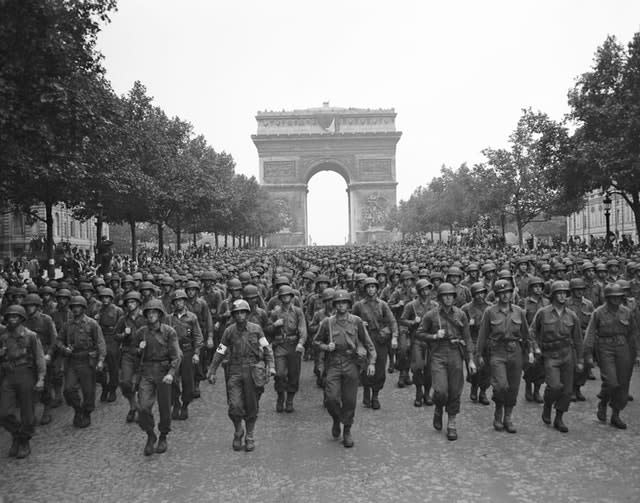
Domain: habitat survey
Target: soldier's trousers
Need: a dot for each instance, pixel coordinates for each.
(288, 362)
(80, 377)
(559, 368)
(242, 394)
(505, 362)
(376, 382)
(447, 378)
(421, 364)
(403, 353)
(184, 380)
(49, 379)
(129, 367)
(614, 360)
(16, 391)
(108, 378)
(341, 390)
(152, 388)
(206, 355)
(534, 372)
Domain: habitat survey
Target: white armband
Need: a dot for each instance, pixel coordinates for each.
(222, 349)
(263, 342)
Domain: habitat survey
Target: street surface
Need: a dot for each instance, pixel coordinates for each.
(398, 456)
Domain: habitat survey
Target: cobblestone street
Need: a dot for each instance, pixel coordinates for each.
(398, 456)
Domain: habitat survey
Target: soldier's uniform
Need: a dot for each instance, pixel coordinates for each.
(108, 317)
(199, 307)
(400, 297)
(583, 308)
(481, 379)
(533, 372)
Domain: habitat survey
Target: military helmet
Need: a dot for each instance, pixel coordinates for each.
(436, 275)
(360, 277)
(502, 285)
(488, 267)
(47, 290)
(127, 279)
(454, 271)
(322, 278)
(244, 277)
(327, 294)
(250, 292)
(146, 285)
(32, 299)
(137, 276)
(16, 309)
(612, 262)
(281, 280)
(535, 280)
(586, 265)
(577, 284)
(613, 290)
(285, 290)
(97, 282)
(473, 267)
(234, 284)
(406, 274)
(559, 286)
(154, 305)
(309, 275)
(106, 292)
(545, 268)
(63, 292)
(505, 274)
(421, 284)
(370, 281)
(178, 294)
(342, 296)
(167, 281)
(208, 276)
(624, 284)
(447, 289)
(133, 295)
(478, 287)
(78, 300)
(240, 305)
(84, 287)
(192, 284)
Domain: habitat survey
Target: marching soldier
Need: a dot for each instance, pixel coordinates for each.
(534, 373)
(250, 358)
(401, 296)
(319, 367)
(108, 318)
(583, 309)
(343, 338)
(199, 307)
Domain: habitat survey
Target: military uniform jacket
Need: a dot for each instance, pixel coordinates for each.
(380, 320)
(45, 329)
(161, 346)
(188, 329)
(611, 327)
(199, 307)
(213, 297)
(474, 312)
(583, 308)
(454, 323)
(21, 346)
(415, 309)
(463, 295)
(531, 305)
(314, 303)
(498, 327)
(555, 331)
(126, 329)
(84, 336)
(594, 292)
(318, 316)
(108, 318)
(295, 324)
(260, 317)
(60, 317)
(345, 332)
(244, 346)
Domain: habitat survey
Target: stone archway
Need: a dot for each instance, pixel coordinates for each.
(358, 144)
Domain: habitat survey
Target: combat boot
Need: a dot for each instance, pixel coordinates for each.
(46, 416)
(375, 403)
(196, 389)
(528, 391)
(616, 421)
(336, 429)
(428, 401)
(175, 412)
(111, 396)
(24, 449)
(546, 412)
(131, 416)
(407, 378)
(482, 397)
(249, 442)
(104, 395)
(184, 412)
(150, 447)
(401, 383)
(86, 420)
(558, 424)
(289, 406)
(437, 418)
(77, 418)
(579, 396)
(57, 396)
(498, 419)
(474, 393)
(238, 435)
(162, 444)
(280, 402)
(347, 439)
(536, 394)
(418, 401)
(366, 397)
(507, 423)
(602, 411)
(452, 431)
(13, 450)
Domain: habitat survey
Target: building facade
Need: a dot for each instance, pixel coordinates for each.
(22, 235)
(590, 222)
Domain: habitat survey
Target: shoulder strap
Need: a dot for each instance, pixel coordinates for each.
(330, 322)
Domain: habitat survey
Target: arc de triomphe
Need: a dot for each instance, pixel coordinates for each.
(359, 144)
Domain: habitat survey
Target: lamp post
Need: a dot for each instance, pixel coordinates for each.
(99, 218)
(606, 201)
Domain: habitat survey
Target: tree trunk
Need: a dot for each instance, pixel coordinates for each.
(51, 267)
(519, 226)
(134, 245)
(635, 207)
(503, 223)
(226, 240)
(161, 238)
(216, 236)
(178, 237)
(195, 242)
(432, 235)
(439, 234)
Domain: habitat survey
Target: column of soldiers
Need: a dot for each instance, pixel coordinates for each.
(433, 318)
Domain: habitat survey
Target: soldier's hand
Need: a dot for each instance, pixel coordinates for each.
(196, 359)
(532, 358)
(278, 323)
(143, 344)
(39, 385)
(300, 348)
(210, 343)
(589, 361)
(400, 303)
(331, 346)
(100, 366)
(216, 325)
(480, 361)
(371, 370)
(472, 367)
(211, 377)
(579, 367)
(272, 372)
(47, 358)
(394, 343)
(168, 379)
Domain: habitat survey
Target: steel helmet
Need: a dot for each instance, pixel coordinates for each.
(360, 277)
(505, 274)
(472, 267)
(32, 299)
(545, 268)
(327, 294)
(146, 285)
(78, 300)
(624, 284)
(178, 294)
(323, 278)
(244, 277)
(342, 296)
(488, 267)
(282, 280)
(577, 284)
(16, 309)
(559, 286)
(167, 281)
(613, 290)
(250, 292)
(83, 287)
(63, 292)
(406, 275)
(240, 305)
(192, 284)
(208, 276)
(133, 295)
(587, 265)
(309, 275)
(436, 275)
(421, 284)
(127, 279)
(502, 285)
(285, 290)
(137, 276)
(535, 280)
(106, 292)
(370, 281)
(47, 290)
(154, 305)
(447, 289)
(478, 287)
(454, 271)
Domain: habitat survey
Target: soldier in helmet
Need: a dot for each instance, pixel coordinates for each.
(198, 306)
(505, 332)
(108, 318)
(319, 367)
(125, 335)
(583, 308)
(474, 310)
(186, 325)
(82, 342)
(61, 315)
(382, 328)
(557, 332)
(533, 373)
(43, 326)
(167, 284)
(23, 368)
(402, 295)
(612, 333)
(290, 335)
(87, 290)
(463, 295)
(159, 361)
(344, 340)
(411, 318)
(593, 290)
(447, 330)
(250, 359)
(234, 289)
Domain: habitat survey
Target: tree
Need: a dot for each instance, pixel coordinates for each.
(605, 104)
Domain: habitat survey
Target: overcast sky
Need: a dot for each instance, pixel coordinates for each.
(457, 73)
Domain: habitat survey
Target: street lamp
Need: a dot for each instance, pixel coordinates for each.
(606, 201)
(99, 218)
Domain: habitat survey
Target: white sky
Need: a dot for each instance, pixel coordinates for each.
(457, 73)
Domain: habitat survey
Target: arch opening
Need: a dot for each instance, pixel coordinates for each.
(327, 208)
